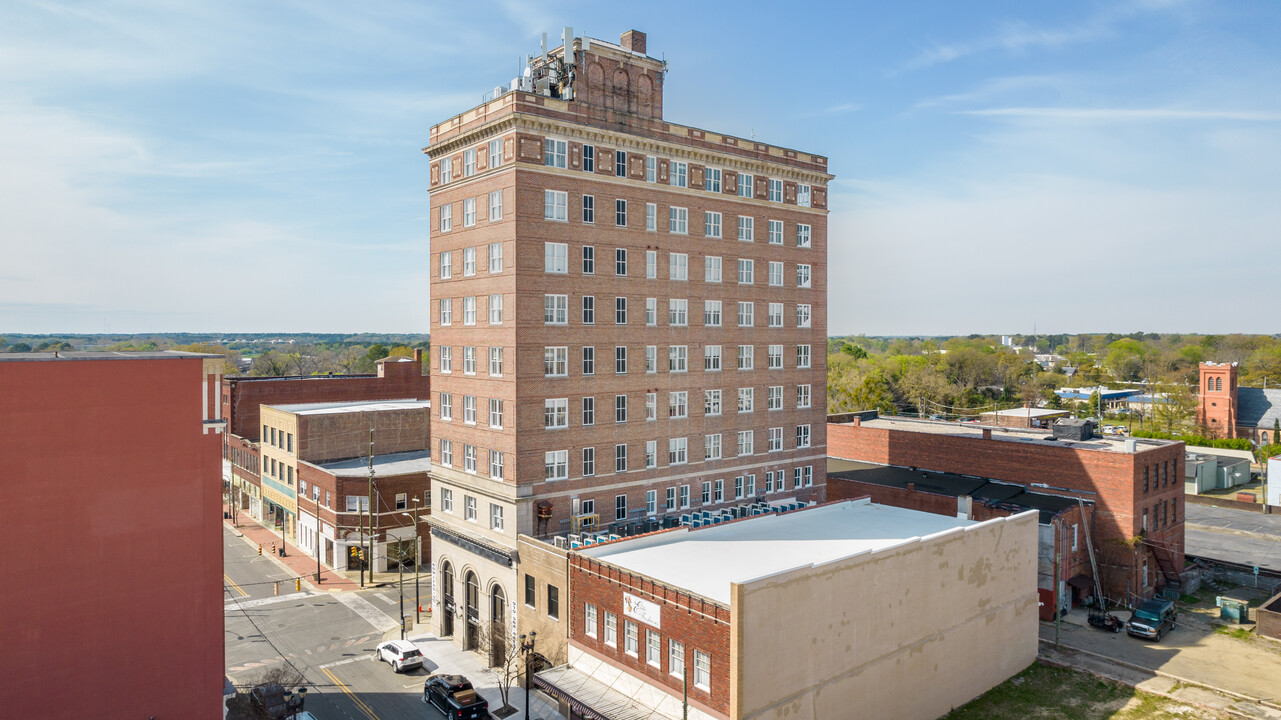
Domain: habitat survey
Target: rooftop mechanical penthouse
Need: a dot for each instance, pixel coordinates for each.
(628, 318)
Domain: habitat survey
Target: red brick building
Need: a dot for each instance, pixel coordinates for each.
(1226, 410)
(1135, 485)
(632, 311)
(117, 552)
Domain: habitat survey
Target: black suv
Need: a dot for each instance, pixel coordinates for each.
(454, 696)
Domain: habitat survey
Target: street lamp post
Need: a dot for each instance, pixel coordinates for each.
(527, 649)
(400, 570)
(418, 601)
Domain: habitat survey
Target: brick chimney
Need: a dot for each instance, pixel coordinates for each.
(633, 40)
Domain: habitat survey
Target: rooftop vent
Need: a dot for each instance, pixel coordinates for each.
(1069, 429)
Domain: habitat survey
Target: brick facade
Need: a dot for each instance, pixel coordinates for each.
(1216, 399)
(698, 623)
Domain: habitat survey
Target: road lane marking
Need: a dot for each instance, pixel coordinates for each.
(360, 704)
(326, 666)
(237, 604)
(362, 607)
(226, 579)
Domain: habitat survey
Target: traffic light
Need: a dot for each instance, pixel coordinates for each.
(355, 552)
(259, 549)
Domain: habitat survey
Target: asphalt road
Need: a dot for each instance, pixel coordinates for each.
(328, 637)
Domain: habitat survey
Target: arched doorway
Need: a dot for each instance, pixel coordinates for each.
(497, 627)
(446, 599)
(472, 600)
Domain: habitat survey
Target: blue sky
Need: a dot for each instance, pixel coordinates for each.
(255, 166)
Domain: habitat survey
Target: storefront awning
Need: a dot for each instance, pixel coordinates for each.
(592, 698)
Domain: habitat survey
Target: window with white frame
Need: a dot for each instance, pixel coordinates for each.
(776, 315)
(469, 162)
(620, 311)
(631, 638)
(651, 264)
(746, 271)
(670, 504)
(803, 195)
(803, 276)
(651, 359)
(620, 163)
(802, 236)
(589, 410)
(620, 507)
(711, 269)
(589, 619)
(358, 503)
(555, 309)
(495, 309)
(651, 502)
(802, 396)
(712, 402)
(775, 274)
(446, 170)
(746, 228)
(495, 362)
(679, 174)
(775, 439)
(712, 446)
(446, 354)
(495, 155)
(775, 190)
(469, 458)
(712, 179)
(446, 501)
(589, 158)
(746, 314)
(712, 313)
(446, 217)
(620, 409)
(746, 357)
(495, 517)
(496, 413)
(620, 262)
(678, 221)
(556, 465)
(651, 217)
(589, 209)
(446, 406)
(469, 409)
(802, 356)
(589, 360)
(446, 311)
(678, 312)
(802, 436)
(495, 212)
(746, 440)
(712, 224)
(556, 205)
(746, 399)
(446, 265)
(620, 359)
(556, 413)
(469, 310)
(678, 404)
(653, 648)
(611, 629)
(678, 454)
(620, 457)
(678, 266)
(620, 213)
(775, 232)
(469, 360)
(774, 397)
(651, 311)
(556, 361)
(446, 452)
(678, 359)
(556, 258)
(651, 407)
(718, 494)
(749, 482)
(469, 212)
(803, 315)
(706, 498)
(589, 309)
(651, 169)
(589, 260)
(495, 464)
(651, 453)
(555, 152)
(745, 185)
(712, 358)
(589, 461)
(738, 488)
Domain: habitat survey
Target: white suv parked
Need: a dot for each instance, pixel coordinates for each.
(400, 654)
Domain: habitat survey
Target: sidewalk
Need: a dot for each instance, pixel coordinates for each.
(443, 656)
(295, 559)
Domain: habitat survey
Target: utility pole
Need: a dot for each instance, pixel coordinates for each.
(316, 492)
(1056, 599)
(369, 499)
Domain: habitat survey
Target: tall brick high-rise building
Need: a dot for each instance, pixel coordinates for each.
(628, 320)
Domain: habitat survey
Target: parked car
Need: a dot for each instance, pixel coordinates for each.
(400, 654)
(1152, 619)
(455, 697)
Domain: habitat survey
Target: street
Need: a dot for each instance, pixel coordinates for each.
(328, 637)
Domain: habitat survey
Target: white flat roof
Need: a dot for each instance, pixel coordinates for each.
(356, 406)
(415, 461)
(938, 427)
(706, 560)
(1028, 412)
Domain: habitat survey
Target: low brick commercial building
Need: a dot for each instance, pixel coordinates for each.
(1135, 485)
(844, 610)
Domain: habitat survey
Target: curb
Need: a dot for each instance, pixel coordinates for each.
(1162, 673)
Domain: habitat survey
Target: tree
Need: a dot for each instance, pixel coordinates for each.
(19, 348)
(269, 364)
(1125, 359)
(1172, 404)
(924, 386)
(506, 660)
(1095, 404)
(855, 351)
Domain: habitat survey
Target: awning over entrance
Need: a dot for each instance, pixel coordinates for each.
(593, 699)
(1081, 582)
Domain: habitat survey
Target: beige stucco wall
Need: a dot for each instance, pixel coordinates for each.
(547, 564)
(909, 632)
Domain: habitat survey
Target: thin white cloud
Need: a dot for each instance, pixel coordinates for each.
(1124, 114)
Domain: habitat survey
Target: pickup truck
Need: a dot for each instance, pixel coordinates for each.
(454, 696)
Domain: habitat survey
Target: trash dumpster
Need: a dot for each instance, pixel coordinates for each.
(1233, 609)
